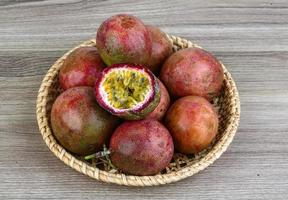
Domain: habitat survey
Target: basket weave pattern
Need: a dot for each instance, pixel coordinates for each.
(182, 166)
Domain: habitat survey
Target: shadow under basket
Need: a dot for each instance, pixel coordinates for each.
(181, 166)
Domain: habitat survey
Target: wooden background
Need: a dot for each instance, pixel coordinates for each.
(249, 36)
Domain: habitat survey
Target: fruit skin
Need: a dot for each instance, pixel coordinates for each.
(81, 68)
(142, 147)
(124, 39)
(159, 112)
(141, 112)
(192, 71)
(161, 48)
(193, 124)
(78, 123)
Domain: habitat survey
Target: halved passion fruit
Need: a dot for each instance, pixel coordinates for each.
(127, 91)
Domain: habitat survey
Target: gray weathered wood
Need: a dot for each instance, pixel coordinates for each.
(249, 36)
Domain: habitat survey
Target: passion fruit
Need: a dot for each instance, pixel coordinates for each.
(124, 39)
(193, 124)
(159, 112)
(161, 48)
(192, 71)
(78, 123)
(81, 68)
(142, 147)
(128, 91)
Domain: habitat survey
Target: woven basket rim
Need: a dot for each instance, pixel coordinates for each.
(130, 180)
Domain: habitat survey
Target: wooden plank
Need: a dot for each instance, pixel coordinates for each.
(248, 25)
(250, 37)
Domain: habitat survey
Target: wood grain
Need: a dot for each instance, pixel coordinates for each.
(249, 36)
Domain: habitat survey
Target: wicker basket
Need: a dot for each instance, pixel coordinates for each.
(181, 166)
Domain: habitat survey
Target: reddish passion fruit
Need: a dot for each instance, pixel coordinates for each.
(192, 71)
(159, 112)
(81, 68)
(78, 123)
(161, 48)
(142, 147)
(128, 91)
(124, 39)
(193, 124)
